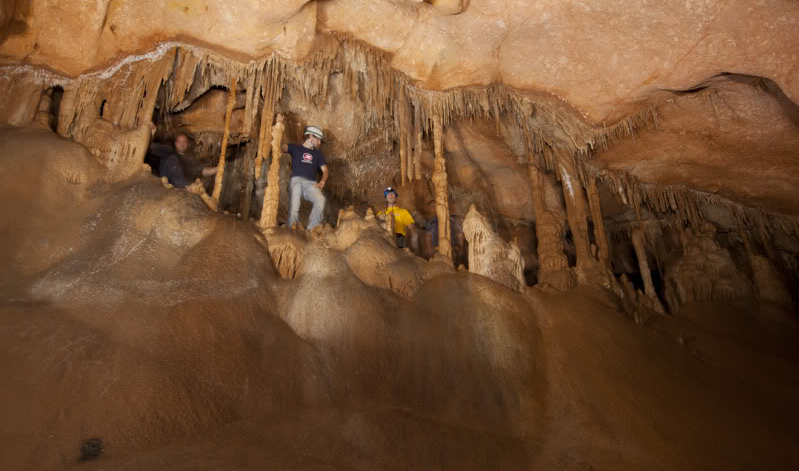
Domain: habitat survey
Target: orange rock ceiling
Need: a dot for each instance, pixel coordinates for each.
(603, 58)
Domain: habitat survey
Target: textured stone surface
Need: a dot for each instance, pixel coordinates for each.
(739, 141)
(601, 57)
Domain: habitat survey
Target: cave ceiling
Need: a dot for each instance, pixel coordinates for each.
(701, 93)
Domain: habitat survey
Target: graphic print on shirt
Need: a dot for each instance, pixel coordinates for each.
(307, 158)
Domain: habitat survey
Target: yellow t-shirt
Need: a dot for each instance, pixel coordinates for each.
(402, 218)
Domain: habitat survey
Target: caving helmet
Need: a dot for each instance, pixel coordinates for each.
(314, 131)
(390, 190)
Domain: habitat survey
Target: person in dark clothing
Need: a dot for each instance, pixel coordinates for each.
(170, 163)
(306, 161)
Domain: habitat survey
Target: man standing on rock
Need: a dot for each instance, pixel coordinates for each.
(305, 160)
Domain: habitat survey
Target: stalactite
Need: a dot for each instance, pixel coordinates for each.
(191, 70)
(270, 85)
(181, 81)
(220, 173)
(417, 147)
(78, 110)
(440, 184)
(600, 235)
(272, 194)
(161, 70)
(639, 243)
(678, 206)
(250, 104)
(403, 137)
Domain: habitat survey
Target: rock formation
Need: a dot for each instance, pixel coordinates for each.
(705, 272)
(272, 195)
(622, 155)
(491, 256)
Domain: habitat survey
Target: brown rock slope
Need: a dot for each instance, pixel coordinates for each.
(132, 314)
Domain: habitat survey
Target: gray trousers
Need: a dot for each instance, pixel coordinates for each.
(303, 188)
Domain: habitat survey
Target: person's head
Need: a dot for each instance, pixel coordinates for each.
(313, 137)
(181, 143)
(391, 195)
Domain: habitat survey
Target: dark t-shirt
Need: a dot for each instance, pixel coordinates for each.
(192, 167)
(169, 165)
(304, 161)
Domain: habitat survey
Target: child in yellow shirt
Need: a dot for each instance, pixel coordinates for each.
(404, 225)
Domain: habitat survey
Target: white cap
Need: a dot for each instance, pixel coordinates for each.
(314, 131)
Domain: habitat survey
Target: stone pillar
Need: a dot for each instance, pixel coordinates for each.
(220, 174)
(440, 186)
(639, 242)
(575, 209)
(553, 266)
(272, 194)
(600, 235)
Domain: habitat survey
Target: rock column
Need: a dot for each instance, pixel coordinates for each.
(575, 209)
(272, 194)
(600, 235)
(440, 186)
(220, 174)
(639, 242)
(553, 266)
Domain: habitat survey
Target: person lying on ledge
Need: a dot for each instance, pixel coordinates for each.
(306, 159)
(404, 225)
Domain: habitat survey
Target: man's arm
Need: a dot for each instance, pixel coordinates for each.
(208, 171)
(322, 182)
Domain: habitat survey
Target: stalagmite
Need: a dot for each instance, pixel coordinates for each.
(389, 224)
(220, 174)
(600, 235)
(768, 284)
(491, 256)
(705, 272)
(440, 185)
(272, 194)
(639, 244)
(553, 266)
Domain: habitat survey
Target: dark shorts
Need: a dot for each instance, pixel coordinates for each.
(400, 241)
